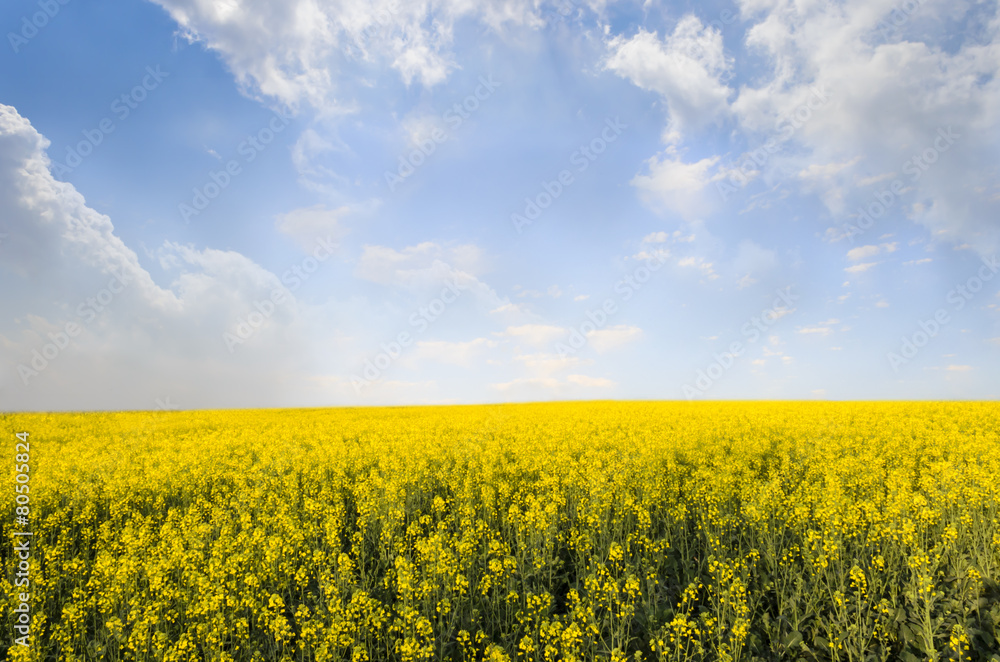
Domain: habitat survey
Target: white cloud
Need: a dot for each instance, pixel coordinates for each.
(428, 267)
(546, 383)
(869, 77)
(296, 51)
(424, 265)
(309, 225)
(860, 268)
(820, 329)
(420, 128)
(686, 68)
(829, 180)
(862, 253)
(676, 186)
(603, 340)
(549, 364)
(146, 341)
(868, 181)
(455, 353)
(699, 263)
(537, 335)
(590, 382)
(306, 155)
(46, 218)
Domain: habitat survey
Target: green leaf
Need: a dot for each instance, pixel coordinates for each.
(792, 639)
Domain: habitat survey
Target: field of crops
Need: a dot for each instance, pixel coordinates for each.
(568, 531)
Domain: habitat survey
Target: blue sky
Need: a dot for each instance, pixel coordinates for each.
(260, 204)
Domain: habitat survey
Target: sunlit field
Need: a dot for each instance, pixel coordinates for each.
(582, 531)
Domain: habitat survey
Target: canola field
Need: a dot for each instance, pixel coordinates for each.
(565, 531)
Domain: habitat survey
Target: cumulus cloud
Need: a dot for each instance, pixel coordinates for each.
(294, 52)
(846, 100)
(672, 185)
(893, 94)
(686, 68)
(144, 340)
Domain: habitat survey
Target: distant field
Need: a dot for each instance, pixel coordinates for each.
(580, 531)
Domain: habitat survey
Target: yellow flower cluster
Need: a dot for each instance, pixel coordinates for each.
(568, 531)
